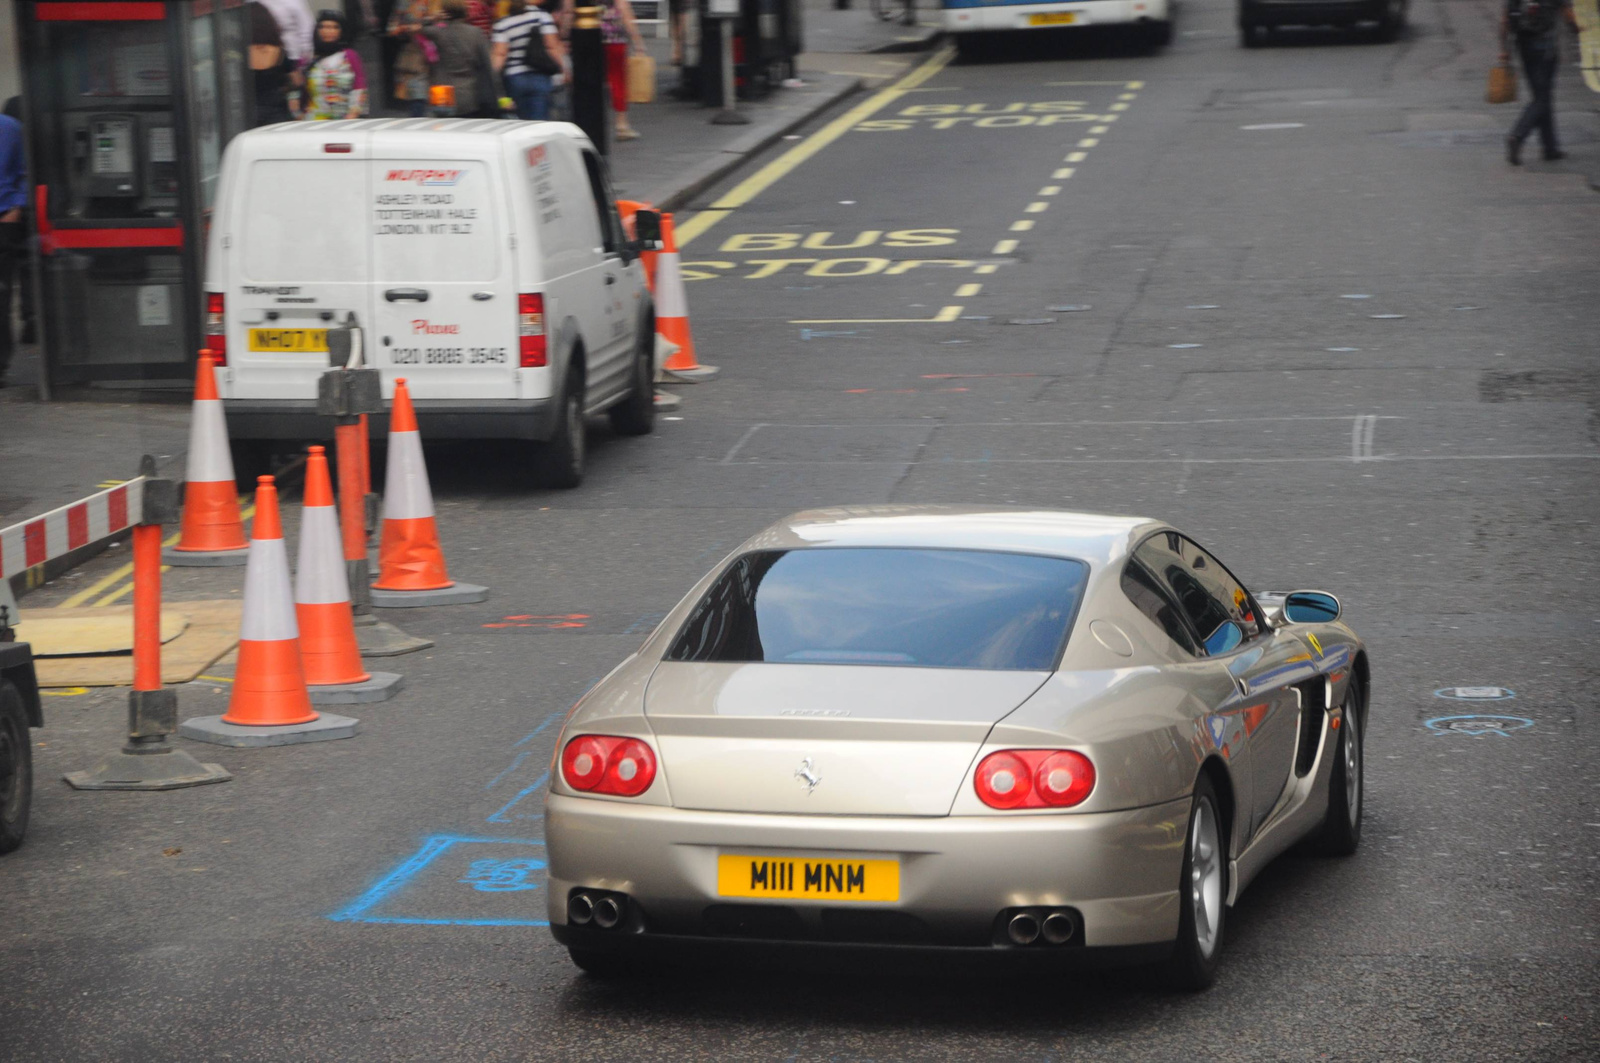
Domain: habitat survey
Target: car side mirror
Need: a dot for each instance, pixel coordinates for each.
(1310, 607)
(647, 229)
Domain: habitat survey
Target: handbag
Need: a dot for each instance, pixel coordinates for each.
(641, 79)
(1502, 84)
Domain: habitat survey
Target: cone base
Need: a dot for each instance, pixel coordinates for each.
(182, 557)
(695, 374)
(379, 638)
(171, 770)
(325, 728)
(455, 594)
(379, 686)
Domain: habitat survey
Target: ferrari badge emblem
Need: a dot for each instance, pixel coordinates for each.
(807, 774)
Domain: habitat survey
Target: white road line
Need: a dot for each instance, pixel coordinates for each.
(1362, 428)
(727, 459)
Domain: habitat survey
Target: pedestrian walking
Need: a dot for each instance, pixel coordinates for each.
(619, 31)
(270, 68)
(464, 62)
(336, 82)
(1534, 24)
(13, 234)
(295, 24)
(414, 60)
(528, 52)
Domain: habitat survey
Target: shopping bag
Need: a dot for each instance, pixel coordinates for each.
(641, 79)
(1502, 84)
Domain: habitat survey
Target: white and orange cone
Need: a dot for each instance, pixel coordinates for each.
(411, 566)
(329, 649)
(672, 313)
(269, 704)
(212, 530)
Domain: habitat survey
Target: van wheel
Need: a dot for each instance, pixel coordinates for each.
(636, 414)
(562, 460)
(16, 768)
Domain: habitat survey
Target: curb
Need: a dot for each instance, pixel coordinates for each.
(926, 44)
(691, 183)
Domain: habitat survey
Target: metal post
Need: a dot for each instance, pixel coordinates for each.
(149, 761)
(589, 79)
(725, 11)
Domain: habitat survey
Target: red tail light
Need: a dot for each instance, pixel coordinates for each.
(1034, 778)
(217, 327)
(530, 330)
(607, 764)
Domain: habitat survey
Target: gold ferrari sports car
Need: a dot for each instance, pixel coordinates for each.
(1038, 737)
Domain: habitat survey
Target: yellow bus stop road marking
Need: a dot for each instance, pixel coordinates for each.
(783, 165)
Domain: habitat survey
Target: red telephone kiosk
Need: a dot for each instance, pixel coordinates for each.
(127, 105)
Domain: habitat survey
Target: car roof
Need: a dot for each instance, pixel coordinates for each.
(1093, 537)
(404, 129)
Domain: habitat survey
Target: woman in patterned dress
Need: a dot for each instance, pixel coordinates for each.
(336, 83)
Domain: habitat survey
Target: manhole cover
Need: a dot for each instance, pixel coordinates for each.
(1033, 321)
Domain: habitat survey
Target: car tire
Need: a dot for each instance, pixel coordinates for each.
(1340, 834)
(1203, 894)
(1158, 35)
(252, 458)
(561, 459)
(602, 965)
(636, 414)
(16, 768)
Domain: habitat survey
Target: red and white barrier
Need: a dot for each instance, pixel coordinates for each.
(77, 524)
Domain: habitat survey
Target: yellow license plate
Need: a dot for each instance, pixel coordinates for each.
(805, 878)
(314, 340)
(1053, 18)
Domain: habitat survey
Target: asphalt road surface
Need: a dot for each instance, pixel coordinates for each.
(1291, 299)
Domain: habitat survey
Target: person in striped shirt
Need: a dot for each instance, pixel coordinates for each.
(528, 70)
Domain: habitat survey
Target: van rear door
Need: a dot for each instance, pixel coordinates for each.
(302, 262)
(444, 296)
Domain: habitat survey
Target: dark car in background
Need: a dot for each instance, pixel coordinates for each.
(1259, 19)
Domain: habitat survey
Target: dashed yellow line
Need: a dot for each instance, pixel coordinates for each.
(1076, 156)
(1021, 226)
(1005, 247)
(1050, 190)
(125, 571)
(967, 291)
(987, 268)
(1088, 142)
(1063, 173)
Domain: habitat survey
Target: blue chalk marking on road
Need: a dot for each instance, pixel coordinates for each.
(513, 766)
(525, 739)
(502, 817)
(491, 876)
(1478, 726)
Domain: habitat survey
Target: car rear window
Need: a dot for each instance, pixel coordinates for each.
(912, 608)
(302, 221)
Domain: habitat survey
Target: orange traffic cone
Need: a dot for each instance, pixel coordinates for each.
(269, 705)
(329, 649)
(269, 688)
(411, 568)
(672, 312)
(212, 530)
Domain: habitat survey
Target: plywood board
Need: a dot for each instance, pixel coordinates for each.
(87, 631)
(212, 633)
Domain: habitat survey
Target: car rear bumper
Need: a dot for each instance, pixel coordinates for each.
(297, 419)
(1119, 871)
(1312, 12)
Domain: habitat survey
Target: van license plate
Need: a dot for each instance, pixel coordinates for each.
(1053, 18)
(807, 878)
(310, 340)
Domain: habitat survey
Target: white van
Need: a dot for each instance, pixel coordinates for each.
(484, 261)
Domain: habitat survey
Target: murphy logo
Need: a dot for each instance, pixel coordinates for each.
(427, 178)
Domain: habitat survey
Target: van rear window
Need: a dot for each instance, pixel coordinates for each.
(302, 221)
(433, 221)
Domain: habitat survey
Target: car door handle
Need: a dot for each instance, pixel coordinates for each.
(482, 297)
(416, 295)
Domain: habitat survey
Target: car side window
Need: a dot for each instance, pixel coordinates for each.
(1216, 605)
(600, 188)
(1145, 592)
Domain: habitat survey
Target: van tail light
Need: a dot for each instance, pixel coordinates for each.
(607, 764)
(217, 327)
(1034, 778)
(530, 331)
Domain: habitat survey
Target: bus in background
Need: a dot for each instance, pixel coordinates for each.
(970, 21)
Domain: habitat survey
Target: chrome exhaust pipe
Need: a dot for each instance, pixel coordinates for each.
(1023, 929)
(1059, 928)
(607, 913)
(580, 909)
